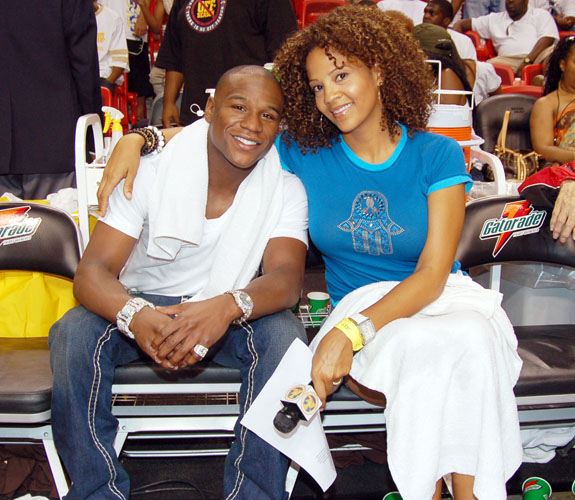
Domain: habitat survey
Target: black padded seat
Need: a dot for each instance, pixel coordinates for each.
(488, 118)
(148, 372)
(26, 387)
(548, 354)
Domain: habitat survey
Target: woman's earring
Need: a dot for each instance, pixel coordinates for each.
(321, 123)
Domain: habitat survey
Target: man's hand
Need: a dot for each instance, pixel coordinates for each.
(202, 323)
(564, 22)
(331, 361)
(563, 217)
(141, 27)
(147, 326)
(170, 115)
(123, 163)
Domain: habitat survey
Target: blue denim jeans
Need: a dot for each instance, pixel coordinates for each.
(84, 351)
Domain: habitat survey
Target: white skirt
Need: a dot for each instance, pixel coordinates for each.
(448, 374)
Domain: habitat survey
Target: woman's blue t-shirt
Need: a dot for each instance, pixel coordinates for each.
(370, 221)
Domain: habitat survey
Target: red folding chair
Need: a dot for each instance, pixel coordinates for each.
(530, 71)
(107, 98)
(123, 99)
(534, 90)
(297, 8)
(505, 72)
(485, 49)
(312, 9)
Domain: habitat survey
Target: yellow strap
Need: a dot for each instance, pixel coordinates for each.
(352, 332)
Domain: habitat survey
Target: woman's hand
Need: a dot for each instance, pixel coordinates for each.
(331, 362)
(123, 163)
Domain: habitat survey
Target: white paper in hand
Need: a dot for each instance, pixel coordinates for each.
(307, 445)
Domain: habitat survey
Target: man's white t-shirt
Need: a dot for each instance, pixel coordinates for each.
(465, 47)
(188, 273)
(486, 81)
(411, 8)
(512, 38)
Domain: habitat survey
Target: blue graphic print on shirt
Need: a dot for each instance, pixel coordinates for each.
(370, 224)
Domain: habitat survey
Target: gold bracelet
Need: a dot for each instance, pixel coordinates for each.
(350, 329)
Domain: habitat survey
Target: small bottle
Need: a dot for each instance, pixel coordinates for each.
(113, 121)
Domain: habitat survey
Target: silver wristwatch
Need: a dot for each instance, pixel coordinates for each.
(244, 302)
(366, 327)
(126, 314)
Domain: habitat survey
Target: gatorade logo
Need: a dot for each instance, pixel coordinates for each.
(205, 15)
(16, 226)
(517, 219)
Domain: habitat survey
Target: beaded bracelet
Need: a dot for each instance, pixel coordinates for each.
(160, 139)
(154, 139)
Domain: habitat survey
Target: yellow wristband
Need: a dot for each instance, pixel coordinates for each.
(352, 332)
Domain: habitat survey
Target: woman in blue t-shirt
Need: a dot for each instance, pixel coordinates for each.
(386, 209)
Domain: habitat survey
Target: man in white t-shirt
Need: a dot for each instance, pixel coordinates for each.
(112, 48)
(204, 214)
(440, 13)
(414, 9)
(520, 35)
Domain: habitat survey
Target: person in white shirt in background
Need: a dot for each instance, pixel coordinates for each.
(521, 35)
(414, 8)
(136, 26)
(112, 48)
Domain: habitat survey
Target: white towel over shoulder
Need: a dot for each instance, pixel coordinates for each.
(448, 374)
(177, 215)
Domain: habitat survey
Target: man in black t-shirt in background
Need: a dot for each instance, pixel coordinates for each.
(204, 39)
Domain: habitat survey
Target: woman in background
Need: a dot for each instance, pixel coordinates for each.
(552, 119)
(437, 44)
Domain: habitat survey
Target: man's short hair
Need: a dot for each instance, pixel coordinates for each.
(444, 7)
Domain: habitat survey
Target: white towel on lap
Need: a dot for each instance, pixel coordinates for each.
(448, 374)
(177, 215)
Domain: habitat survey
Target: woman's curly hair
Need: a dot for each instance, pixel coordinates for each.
(371, 37)
(554, 72)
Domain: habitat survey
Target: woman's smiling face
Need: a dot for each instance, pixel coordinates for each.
(347, 94)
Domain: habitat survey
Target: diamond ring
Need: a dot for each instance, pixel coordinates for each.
(337, 382)
(200, 350)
